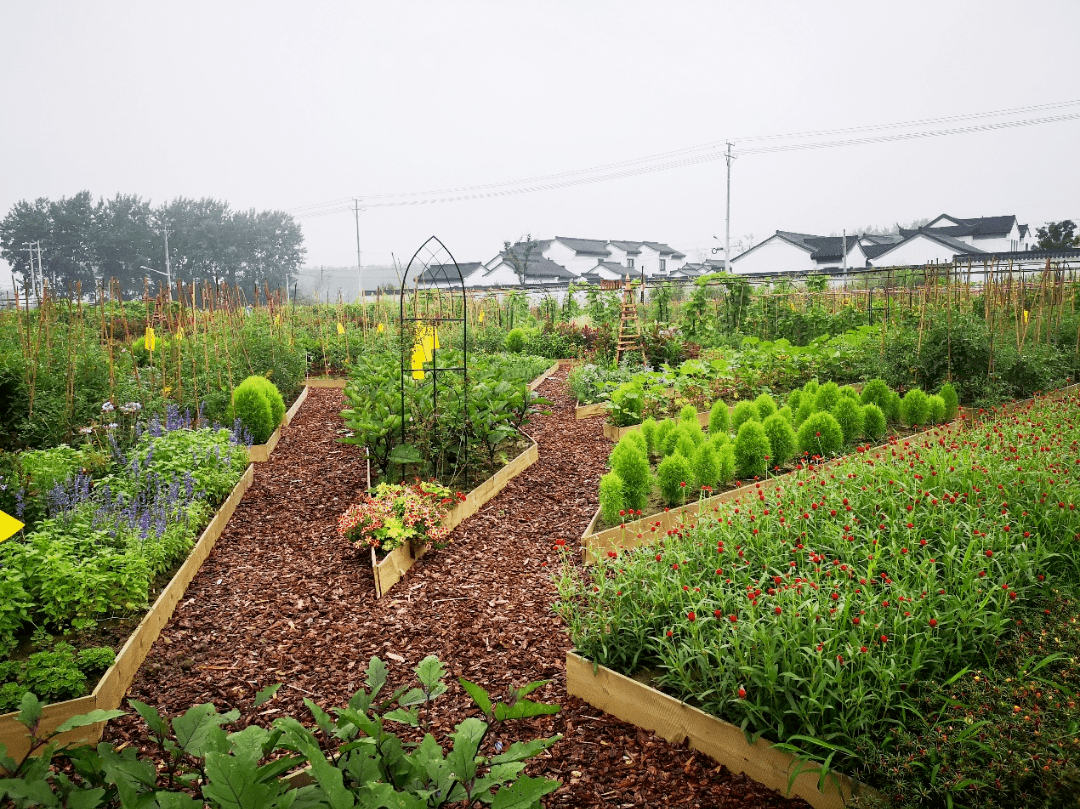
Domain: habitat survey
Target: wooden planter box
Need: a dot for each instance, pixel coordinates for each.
(644, 707)
(590, 410)
(114, 683)
(543, 377)
(392, 568)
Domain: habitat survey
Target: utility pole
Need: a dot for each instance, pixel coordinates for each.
(843, 250)
(727, 228)
(359, 263)
(29, 248)
(168, 266)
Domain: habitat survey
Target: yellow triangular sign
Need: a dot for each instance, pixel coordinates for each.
(151, 339)
(9, 526)
(340, 328)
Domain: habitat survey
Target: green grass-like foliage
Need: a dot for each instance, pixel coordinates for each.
(612, 499)
(765, 405)
(631, 464)
(952, 401)
(848, 414)
(915, 408)
(253, 408)
(781, 438)
(936, 407)
(752, 451)
(873, 422)
(820, 435)
(743, 412)
(719, 417)
(706, 466)
(674, 475)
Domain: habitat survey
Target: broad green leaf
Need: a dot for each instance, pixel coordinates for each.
(376, 676)
(519, 751)
(525, 793)
(232, 783)
(430, 671)
(265, 694)
(198, 730)
(84, 798)
(467, 737)
(405, 454)
(478, 694)
(29, 711)
(248, 743)
(81, 721)
(523, 709)
(322, 718)
(403, 716)
(151, 717)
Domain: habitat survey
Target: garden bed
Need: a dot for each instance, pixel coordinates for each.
(114, 683)
(633, 701)
(332, 382)
(590, 410)
(392, 568)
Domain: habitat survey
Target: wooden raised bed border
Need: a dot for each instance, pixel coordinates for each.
(335, 382)
(644, 707)
(114, 683)
(590, 410)
(392, 568)
(260, 453)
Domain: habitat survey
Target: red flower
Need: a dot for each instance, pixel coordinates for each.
(733, 618)
(855, 621)
(989, 553)
(717, 614)
(778, 610)
(933, 622)
(742, 692)
(884, 638)
(691, 617)
(863, 649)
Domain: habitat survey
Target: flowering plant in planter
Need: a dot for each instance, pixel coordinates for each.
(398, 513)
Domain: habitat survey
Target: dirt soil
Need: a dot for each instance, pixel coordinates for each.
(283, 599)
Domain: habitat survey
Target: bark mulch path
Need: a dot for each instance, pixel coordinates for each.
(283, 599)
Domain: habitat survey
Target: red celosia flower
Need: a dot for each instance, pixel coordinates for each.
(732, 618)
(989, 553)
(933, 622)
(691, 617)
(778, 610)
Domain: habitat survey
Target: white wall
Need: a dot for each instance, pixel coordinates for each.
(773, 255)
(561, 254)
(917, 250)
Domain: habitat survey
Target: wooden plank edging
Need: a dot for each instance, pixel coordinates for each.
(642, 706)
(540, 380)
(392, 568)
(114, 683)
(292, 411)
(337, 383)
(590, 410)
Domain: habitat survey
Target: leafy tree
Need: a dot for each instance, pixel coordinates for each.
(1058, 235)
(517, 255)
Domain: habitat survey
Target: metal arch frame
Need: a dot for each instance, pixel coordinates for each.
(434, 252)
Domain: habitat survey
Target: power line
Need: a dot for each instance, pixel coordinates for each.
(637, 166)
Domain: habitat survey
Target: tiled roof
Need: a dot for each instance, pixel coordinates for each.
(446, 273)
(830, 247)
(630, 247)
(983, 225)
(875, 250)
(591, 247)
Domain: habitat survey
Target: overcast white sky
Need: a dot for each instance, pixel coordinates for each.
(282, 105)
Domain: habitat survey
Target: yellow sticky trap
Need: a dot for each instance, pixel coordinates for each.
(480, 318)
(180, 334)
(381, 328)
(9, 526)
(150, 339)
(340, 328)
(418, 362)
(1025, 315)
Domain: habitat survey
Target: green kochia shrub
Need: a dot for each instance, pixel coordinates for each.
(805, 411)
(765, 406)
(876, 392)
(952, 401)
(706, 466)
(253, 408)
(663, 431)
(820, 435)
(515, 341)
(936, 408)
(649, 429)
(725, 454)
(719, 418)
(685, 443)
(827, 396)
(794, 399)
(849, 392)
(873, 422)
(751, 450)
(612, 499)
(688, 419)
(273, 396)
(781, 438)
(674, 475)
(915, 408)
(848, 414)
(892, 407)
(744, 411)
(785, 411)
(629, 462)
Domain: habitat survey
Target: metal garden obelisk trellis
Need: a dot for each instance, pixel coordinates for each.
(436, 268)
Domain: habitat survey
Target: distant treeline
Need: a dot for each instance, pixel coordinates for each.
(88, 243)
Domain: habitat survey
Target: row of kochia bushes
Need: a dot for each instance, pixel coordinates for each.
(680, 460)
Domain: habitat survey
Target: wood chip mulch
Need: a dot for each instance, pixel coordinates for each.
(282, 598)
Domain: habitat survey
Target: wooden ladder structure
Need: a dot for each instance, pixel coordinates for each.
(629, 326)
